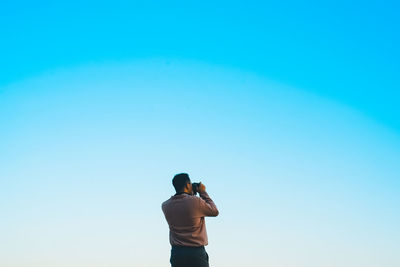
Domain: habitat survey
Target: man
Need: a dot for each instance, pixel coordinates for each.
(185, 214)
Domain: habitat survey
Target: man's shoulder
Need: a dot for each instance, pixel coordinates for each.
(166, 202)
(179, 198)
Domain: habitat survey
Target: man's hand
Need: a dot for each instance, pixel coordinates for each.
(202, 188)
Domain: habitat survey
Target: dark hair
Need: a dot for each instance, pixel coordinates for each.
(180, 180)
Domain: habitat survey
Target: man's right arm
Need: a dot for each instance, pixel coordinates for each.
(206, 205)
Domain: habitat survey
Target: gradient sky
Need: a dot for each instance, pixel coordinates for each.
(287, 112)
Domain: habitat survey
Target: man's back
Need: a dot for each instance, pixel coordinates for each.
(185, 216)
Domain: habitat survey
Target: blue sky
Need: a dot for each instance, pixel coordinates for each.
(342, 50)
(288, 112)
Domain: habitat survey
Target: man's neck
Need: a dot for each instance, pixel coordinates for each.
(180, 193)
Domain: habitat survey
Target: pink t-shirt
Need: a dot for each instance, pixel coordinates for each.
(185, 216)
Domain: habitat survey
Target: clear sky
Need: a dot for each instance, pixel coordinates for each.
(287, 112)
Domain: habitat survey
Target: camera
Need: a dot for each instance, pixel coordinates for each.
(195, 188)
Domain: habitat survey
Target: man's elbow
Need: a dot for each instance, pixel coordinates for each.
(216, 212)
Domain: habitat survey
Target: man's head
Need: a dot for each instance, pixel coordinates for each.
(182, 183)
